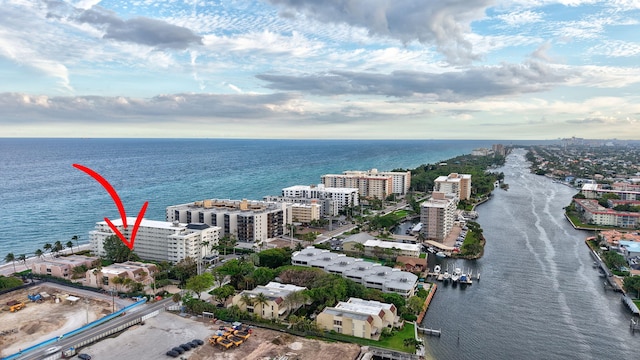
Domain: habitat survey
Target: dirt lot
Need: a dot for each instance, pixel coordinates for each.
(41, 321)
(159, 334)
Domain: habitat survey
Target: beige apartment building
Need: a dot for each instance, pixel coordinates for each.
(274, 307)
(136, 271)
(305, 213)
(454, 183)
(437, 216)
(357, 317)
(62, 267)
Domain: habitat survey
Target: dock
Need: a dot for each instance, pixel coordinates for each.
(631, 305)
(432, 332)
(634, 325)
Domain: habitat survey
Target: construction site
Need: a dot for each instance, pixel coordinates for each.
(43, 312)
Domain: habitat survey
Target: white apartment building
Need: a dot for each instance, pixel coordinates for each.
(327, 207)
(161, 240)
(368, 274)
(624, 191)
(343, 197)
(248, 221)
(437, 216)
(458, 184)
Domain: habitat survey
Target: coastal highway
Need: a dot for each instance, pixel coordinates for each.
(66, 343)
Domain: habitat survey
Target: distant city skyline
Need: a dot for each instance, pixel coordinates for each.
(343, 69)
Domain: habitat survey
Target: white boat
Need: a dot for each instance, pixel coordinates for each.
(431, 249)
(456, 275)
(440, 254)
(446, 276)
(436, 270)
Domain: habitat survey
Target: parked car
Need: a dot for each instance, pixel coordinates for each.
(52, 350)
(84, 357)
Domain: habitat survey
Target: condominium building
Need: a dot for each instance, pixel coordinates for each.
(305, 213)
(136, 271)
(371, 184)
(343, 197)
(161, 240)
(379, 248)
(248, 221)
(357, 317)
(437, 216)
(591, 212)
(624, 191)
(327, 207)
(273, 294)
(62, 267)
(368, 274)
(454, 183)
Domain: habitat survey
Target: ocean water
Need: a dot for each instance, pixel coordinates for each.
(44, 199)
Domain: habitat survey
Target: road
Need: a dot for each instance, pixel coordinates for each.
(66, 343)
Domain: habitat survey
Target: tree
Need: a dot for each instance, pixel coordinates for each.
(184, 270)
(57, 247)
(415, 304)
(632, 283)
(69, 245)
(236, 270)
(262, 275)
(47, 247)
(274, 258)
(359, 247)
(412, 342)
(260, 300)
(227, 241)
(116, 251)
(39, 253)
(23, 259)
(76, 238)
(222, 293)
(78, 271)
(117, 281)
(246, 299)
(200, 283)
(10, 258)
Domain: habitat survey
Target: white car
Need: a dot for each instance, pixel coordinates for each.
(52, 350)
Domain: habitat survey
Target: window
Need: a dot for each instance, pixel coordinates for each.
(337, 322)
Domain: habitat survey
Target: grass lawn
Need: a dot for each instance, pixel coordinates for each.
(395, 342)
(637, 302)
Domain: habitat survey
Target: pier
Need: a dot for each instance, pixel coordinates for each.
(634, 325)
(432, 332)
(631, 305)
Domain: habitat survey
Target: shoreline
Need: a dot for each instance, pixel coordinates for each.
(6, 269)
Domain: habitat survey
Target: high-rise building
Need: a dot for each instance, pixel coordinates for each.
(371, 183)
(161, 240)
(437, 216)
(457, 184)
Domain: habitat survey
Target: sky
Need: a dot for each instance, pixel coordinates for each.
(321, 69)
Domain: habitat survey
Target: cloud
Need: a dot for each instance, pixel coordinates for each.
(443, 23)
(140, 30)
(476, 82)
(120, 109)
(518, 18)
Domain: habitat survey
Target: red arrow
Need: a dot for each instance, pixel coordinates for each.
(116, 199)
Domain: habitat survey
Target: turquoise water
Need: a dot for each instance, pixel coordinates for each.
(45, 199)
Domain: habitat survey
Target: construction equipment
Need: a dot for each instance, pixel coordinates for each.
(16, 307)
(35, 297)
(70, 352)
(244, 335)
(237, 341)
(224, 343)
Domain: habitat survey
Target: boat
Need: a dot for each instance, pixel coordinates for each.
(446, 276)
(455, 277)
(440, 254)
(436, 270)
(431, 249)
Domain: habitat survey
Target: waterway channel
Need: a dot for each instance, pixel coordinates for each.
(539, 296)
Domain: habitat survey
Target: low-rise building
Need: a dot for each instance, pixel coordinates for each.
(379, 248)
(273, 304)
(62, 267)
(136, 271)
(368, 274)
(357, 317)
(591, 212)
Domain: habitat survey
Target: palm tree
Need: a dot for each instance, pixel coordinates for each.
(47, 247)
(247, 300)
(69, 245)
(39, 253)
(11, 258)
(262, 300)
(117, 280)
(57, 247)
(23, 258)
(359, 247)
(412, 342)
(76, 238)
